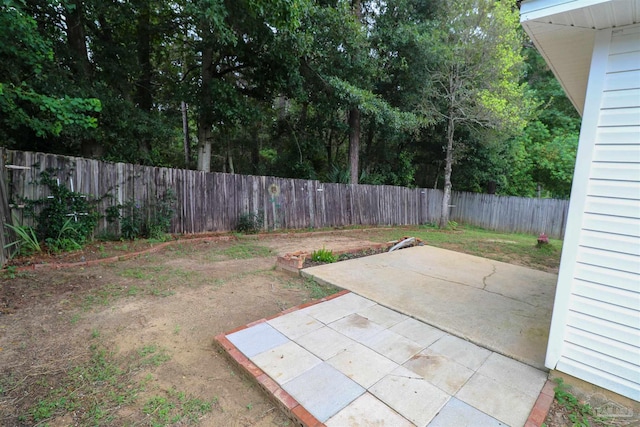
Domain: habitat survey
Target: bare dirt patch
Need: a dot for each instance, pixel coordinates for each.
(131, 342)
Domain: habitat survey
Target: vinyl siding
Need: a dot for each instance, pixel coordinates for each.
(601, 341)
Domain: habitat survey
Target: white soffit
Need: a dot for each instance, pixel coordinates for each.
(564, 33)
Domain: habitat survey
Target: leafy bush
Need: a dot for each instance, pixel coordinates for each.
(64, 242)
(250, 223)
(66, 219)
(139, 220)
(323, 255)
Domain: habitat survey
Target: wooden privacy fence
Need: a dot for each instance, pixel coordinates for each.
(214, 201)
(511, 214)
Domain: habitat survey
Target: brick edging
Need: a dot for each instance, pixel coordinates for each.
(58, 266)
(542, 406)
(214, 237)
(277, 394)
(294, 261)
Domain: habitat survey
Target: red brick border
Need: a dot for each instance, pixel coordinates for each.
(543, 404)
(293, 262)
(224, 238)
(212, 237)
(279, 396)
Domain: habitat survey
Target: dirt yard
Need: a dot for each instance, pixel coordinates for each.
(131, 342)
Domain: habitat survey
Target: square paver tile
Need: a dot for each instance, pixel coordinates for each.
(325, 342)
(393, 345)
(461, 351)
(356, 327)
(285, 362)
(337, 308)
(459, 414)
(414, 398)
(383, 316)
(367, 411)
(497, 399)
(256, 339)
(362, 364)
(417, 331)
(439, 370)
(295, 324)
(323, 391)
(524, 378)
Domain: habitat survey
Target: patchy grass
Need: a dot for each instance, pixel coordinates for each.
(512, 248)
(239, 250)
(315, 290)
(93, 391)
(176, 408)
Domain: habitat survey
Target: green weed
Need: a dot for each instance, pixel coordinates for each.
(176, 408)
(317, 290)
(153, 355)
(246, 251)
(323, 255)
(580, 414)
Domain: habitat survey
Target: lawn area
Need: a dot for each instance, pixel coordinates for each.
(130, 342)
(520, 249)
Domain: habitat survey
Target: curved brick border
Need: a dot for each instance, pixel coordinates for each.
(211, 237)
(58, 266)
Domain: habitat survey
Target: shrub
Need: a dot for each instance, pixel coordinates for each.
(250, 223)
(66, 219)
(139, 220)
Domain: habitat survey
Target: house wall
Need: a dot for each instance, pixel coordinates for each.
(595, 329)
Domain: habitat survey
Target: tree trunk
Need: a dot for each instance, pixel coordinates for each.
(185, 135)
(76, 39)
(143, 95)
(204, 120)
(354, 144)
(446, 198)
(354, 119)
(204, 147)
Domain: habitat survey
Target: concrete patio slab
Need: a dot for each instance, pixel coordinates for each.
(439, 370)
(296, 325)
(286, 361)
(497, 399)
(363, 365)
(393, 346)
(416, 399)
(502, 307)
(459, 414)
(363, 410)
(356, 327)
(255, 340)
(325, 377)
(323, 391)
(325, 342)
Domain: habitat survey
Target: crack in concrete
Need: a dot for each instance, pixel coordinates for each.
(484, 279)
(484, 288)
(484, 283)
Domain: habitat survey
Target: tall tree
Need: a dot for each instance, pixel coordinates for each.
(354, 117)
(477, 80)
